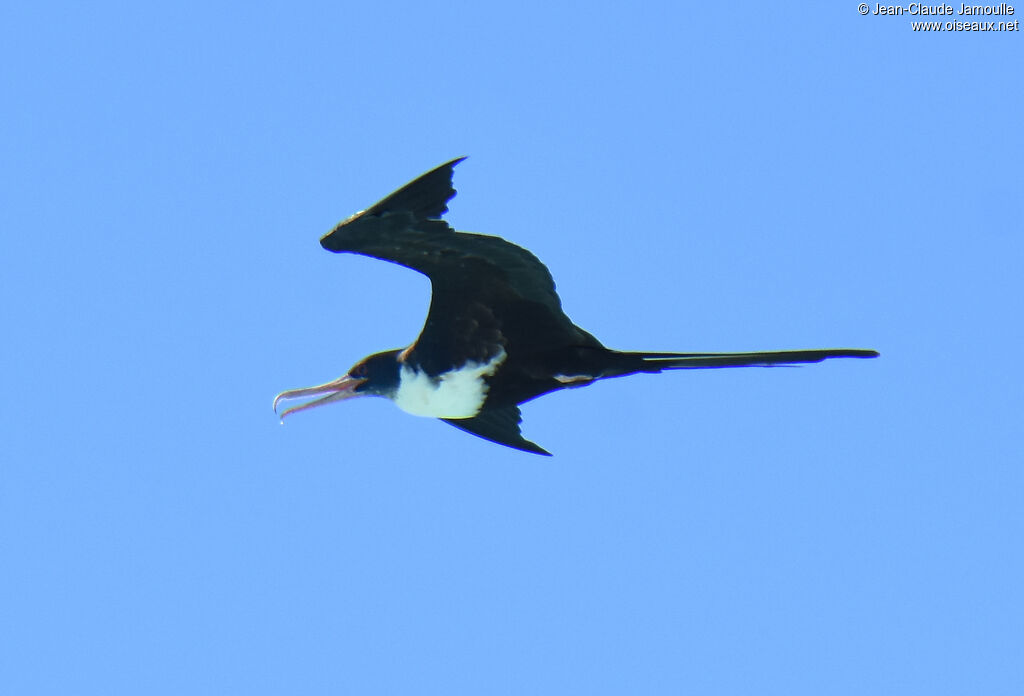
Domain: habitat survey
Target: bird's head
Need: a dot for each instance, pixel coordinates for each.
(376, 375)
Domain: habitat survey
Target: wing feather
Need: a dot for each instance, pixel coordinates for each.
(500, 425)
(487, 293)
(406, 228)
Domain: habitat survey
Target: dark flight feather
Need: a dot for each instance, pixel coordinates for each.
(500, 425)
(405, 228)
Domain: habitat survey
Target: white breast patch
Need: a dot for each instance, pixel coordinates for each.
(456, 394)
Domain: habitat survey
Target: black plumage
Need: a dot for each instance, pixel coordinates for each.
(492, 303)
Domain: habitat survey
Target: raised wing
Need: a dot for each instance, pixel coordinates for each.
(485, 289)
(406, 228)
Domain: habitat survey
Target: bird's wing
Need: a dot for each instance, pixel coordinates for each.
(472, 275)
(406, 228)
(500, 425)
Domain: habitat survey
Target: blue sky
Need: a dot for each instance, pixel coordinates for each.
(719, 178)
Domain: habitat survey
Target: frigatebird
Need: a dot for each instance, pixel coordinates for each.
(495, 335)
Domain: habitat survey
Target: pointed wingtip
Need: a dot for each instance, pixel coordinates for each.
(533, 448)
(530, 447)
(426, 197)
(525, 445)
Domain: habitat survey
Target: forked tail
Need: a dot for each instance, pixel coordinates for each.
(656, 362)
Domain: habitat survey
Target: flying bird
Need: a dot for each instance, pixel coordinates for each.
(495, 335)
